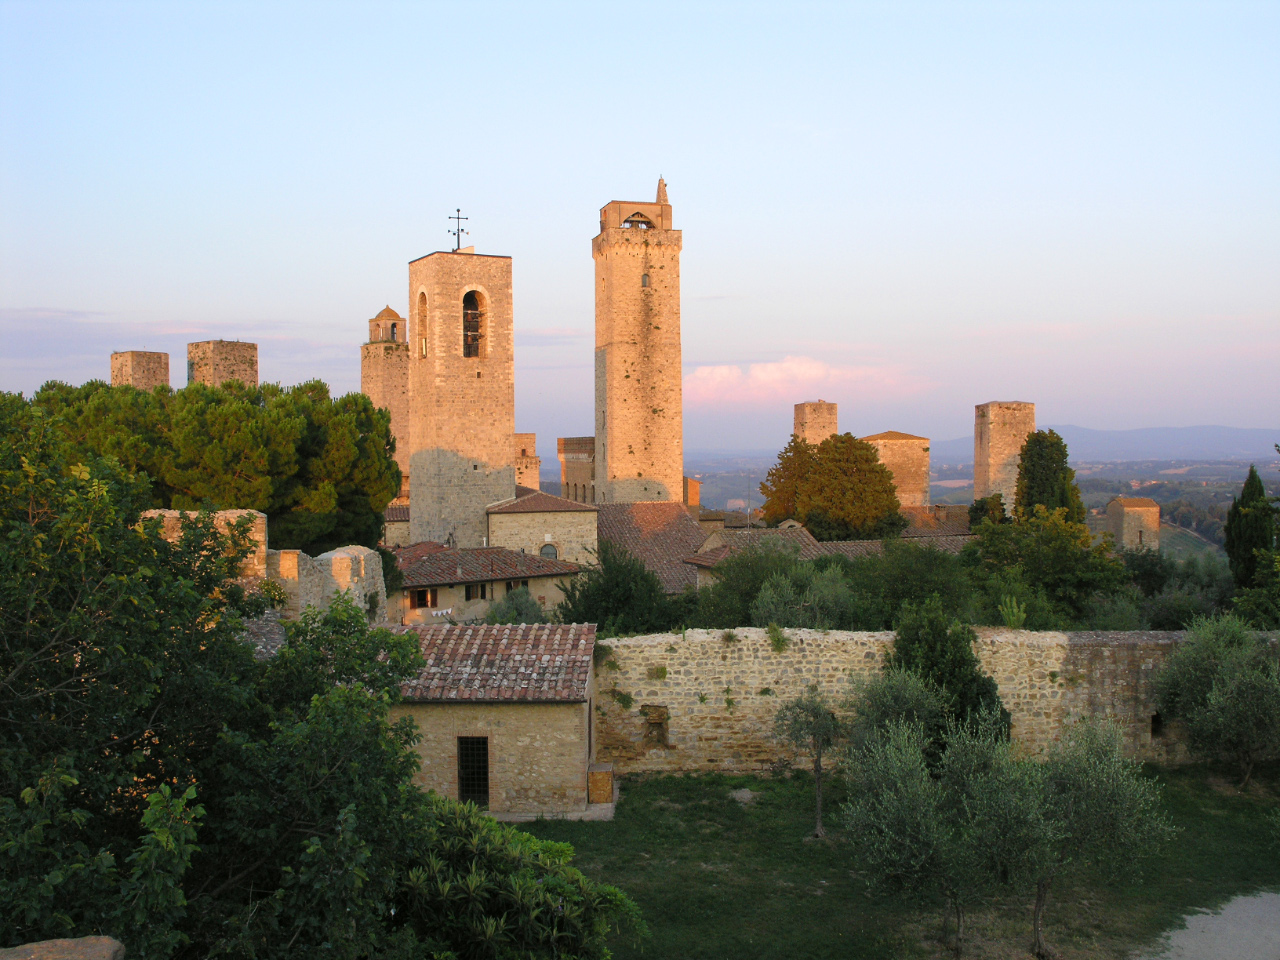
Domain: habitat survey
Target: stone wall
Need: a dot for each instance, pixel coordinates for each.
(140, 368)
(907, 458)
(698, 702)
(315, 581)
(384, 379)
(538, 752)
(815, 421)
(999, 431)
(214, 362)
(571, 532)
(254, 565)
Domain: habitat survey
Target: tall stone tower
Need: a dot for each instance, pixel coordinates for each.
(1000, 428)
(907, 458)
(140, 368)
(384, 378)
(461, 395)
(815, 421)
(639, 443)
(214, 362)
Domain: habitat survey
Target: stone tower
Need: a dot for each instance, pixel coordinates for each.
(384, 378)
(907, 458)
(1000, 428)
(815, 421)
(140, 368)
(214, 362)
(461, 395)
(639, 442)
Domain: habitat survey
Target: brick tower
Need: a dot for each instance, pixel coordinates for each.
(815, 421)
(384, 377)
(639, 443)
(1000, 428)
(461, 395)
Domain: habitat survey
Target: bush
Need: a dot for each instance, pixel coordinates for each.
(518, 606)
(619, 594)
(1223, 683)
(894, 696)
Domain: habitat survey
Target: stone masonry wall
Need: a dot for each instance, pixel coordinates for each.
(815, 421)
(571, 532)
(700, 703)
(1133, 527)
(315, 581)
(538, 752)
(254, 565)
(907, 458)
(214, 362)
(999, 431)
(577, 468)
(140, 368)
(528, 463)
(384, 379)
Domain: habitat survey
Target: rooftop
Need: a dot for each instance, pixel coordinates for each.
(895, 435)
(1131, 503)
(660, 534)
(524, 663)
(386, 313)
(529, 500)
(430, 564)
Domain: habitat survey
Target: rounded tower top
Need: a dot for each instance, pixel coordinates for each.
(387, 325)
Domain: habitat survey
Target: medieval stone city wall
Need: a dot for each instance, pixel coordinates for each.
(140, 368)
(701, 702)
(214, 362)
(999, 431)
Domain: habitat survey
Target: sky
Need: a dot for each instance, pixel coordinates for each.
(904, 208)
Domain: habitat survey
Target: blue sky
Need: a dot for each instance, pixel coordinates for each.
(905, 208)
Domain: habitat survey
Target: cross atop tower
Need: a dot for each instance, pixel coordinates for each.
(458, 232)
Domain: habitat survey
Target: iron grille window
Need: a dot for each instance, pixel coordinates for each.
(473, 770)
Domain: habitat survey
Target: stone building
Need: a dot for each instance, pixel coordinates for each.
(215, 362)
(528, 463)
(395, 529)
(577, 468)
(639, 438)
(815, 421)
(384, 379)
(538, 523)
(140, 368)
(1134, 522)
(462, 583)
(506, 716)
(907, 458)
(461, 395)
(1000, 428)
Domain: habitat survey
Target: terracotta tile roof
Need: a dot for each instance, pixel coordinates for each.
(435, 565)
(503, 663)
(396, 513)
(895, 435)
(386, 313)
(659, 534)
(1133, 502)
(856, 549)
(535, 501)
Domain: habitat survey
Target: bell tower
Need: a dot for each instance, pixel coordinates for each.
(639, 442)
(461, 409)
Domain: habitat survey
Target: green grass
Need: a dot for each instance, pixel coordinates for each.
(719, 879)
(1180, 544)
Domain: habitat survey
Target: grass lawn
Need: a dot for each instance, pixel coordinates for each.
(719, 878)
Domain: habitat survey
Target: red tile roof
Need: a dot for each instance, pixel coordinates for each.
(397, 513)
(857, 549)
(434, 565)
(534, 501)
(1130, 503)
(503, 663)
(928, 522)
(895, 435)
(660, 534)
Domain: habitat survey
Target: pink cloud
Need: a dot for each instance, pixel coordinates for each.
(793, 379)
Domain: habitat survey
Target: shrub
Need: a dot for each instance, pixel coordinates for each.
(518, 606)
(618, 593)
(894, 696)
(810, 724)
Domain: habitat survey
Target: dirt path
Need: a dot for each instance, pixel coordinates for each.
(1247, 928)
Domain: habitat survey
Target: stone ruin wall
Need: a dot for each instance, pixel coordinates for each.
(701, 704)
(143, 369)
(214, 362)
(254, 565)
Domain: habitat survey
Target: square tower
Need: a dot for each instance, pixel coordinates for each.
(528, 463)
(907, 458)
(1000, 428)
(214, 362)
(577, 468)
(461, 408)
(639, 442)
(815, 421)
(384, 378)
(140, 368)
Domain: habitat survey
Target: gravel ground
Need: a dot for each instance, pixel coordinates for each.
(1247, 928)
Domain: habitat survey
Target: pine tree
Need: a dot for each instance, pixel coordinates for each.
(1250, 527)
(1044, 479)
(782, 484)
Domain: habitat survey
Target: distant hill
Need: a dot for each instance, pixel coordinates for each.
(1149, 443)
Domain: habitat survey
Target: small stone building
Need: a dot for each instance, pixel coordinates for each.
(1134, 522)
(506, 715)
(551, 527)
(143, 369)
(462, 583)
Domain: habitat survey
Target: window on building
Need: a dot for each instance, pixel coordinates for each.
(517, 584)
(473, 770)
(644, 279)
(423, 597)
(549, 551)
(393, 331)
(472, 325)
(477, 591)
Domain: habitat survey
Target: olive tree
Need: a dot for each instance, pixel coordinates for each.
(809, 722)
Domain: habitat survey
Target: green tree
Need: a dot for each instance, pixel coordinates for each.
(810, 724)
(838, 489)
(781, 487)
(935, 646)
(1223, 683)
(1045, 480)
(987, 508)
(894, 695)
(1250, 528)
(727, 603)
(518, 606)
(618, 593)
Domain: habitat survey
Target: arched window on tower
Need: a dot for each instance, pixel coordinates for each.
(472, 325)
(644, 279)
(393, 331)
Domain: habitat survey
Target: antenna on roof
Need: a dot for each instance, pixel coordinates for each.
(458, 232)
